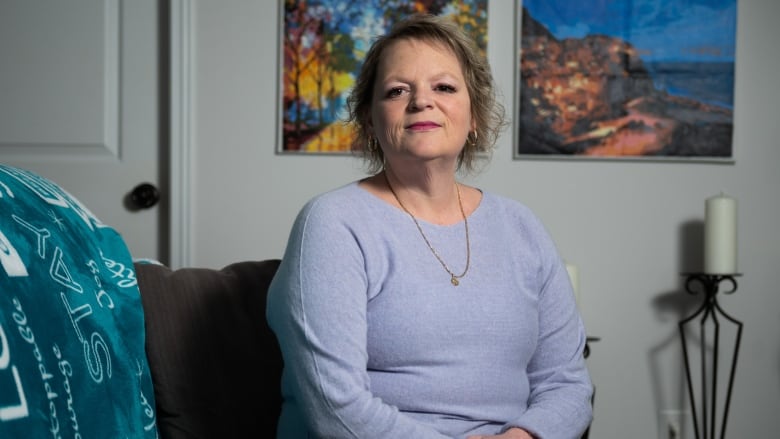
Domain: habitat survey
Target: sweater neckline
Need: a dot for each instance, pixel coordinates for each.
(373, 199)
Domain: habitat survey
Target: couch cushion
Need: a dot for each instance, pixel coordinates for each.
(215, 363)
(72, 361)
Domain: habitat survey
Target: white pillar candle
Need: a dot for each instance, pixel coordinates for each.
(574, 277)
(720, 235)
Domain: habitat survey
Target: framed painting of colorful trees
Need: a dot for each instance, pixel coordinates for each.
(625, 79)
(323, 45)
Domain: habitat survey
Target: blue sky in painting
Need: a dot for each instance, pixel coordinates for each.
(662, 30)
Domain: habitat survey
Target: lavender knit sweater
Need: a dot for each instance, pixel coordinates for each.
(378, 343)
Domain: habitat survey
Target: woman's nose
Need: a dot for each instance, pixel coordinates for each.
(420, 100)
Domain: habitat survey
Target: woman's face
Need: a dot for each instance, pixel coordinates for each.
(421, 108)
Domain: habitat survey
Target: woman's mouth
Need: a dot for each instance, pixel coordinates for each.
(421, 126)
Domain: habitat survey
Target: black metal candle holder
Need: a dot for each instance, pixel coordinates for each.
(710, 310)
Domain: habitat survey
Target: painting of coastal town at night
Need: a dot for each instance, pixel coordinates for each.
(323, 44)
(625, 79)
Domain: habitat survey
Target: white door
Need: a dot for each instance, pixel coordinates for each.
(80, 104)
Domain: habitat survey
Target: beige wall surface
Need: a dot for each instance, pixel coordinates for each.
(626, 225)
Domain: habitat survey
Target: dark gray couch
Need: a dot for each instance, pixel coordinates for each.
(215, 364)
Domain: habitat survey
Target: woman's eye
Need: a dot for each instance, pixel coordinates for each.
(445, 88)
(394, 92)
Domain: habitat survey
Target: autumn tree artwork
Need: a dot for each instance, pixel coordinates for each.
(649, 79)
(324, 43)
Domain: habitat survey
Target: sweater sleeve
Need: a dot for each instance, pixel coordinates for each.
(559, 403)
(317, 307)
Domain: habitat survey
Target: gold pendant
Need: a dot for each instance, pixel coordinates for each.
(455, 281)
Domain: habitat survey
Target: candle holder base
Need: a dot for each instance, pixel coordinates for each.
(709, 314)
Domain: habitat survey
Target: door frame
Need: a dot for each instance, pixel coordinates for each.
(182, 114)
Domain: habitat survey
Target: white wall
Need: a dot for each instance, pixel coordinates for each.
(626, 225)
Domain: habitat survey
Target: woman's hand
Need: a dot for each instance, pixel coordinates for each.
(512, 433)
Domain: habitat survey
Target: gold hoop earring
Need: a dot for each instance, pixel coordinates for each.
(372, 144)
(473, 141)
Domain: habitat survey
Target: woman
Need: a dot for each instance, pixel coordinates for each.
(409, 305)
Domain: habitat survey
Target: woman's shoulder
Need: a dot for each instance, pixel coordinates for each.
(348, 200)
(498, 203)
(346, 194)
(510, 217)
(511, 212)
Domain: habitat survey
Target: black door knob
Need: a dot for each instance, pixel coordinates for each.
(144, 196)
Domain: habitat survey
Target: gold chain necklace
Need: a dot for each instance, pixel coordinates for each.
(454, 278)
